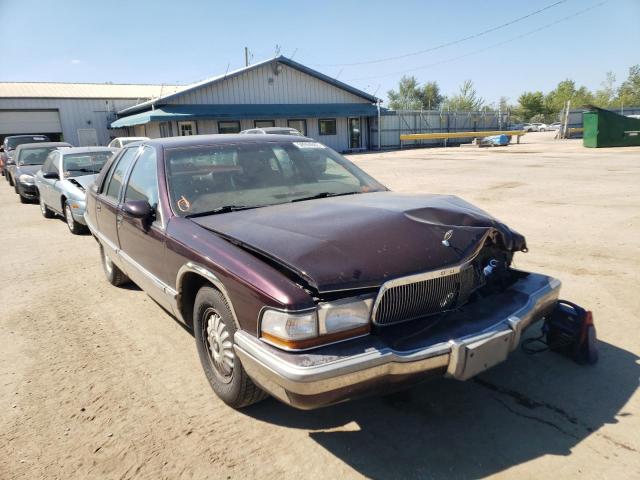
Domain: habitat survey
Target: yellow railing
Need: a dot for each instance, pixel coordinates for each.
(445, 135)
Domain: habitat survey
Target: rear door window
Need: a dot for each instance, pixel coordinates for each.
(143, 181)
(113, 184)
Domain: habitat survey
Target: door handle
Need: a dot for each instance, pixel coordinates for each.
(118, 219)
(98, 207)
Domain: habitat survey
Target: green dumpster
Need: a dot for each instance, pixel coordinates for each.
(603, 128)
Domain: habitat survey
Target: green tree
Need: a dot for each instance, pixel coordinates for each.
(408, 95)
(606, 96)
(629, 91)
(411, 96)
(530, 104)
(566, 90)
(430, 96)
(467, 99)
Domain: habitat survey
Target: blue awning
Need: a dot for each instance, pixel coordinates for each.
(237, 112)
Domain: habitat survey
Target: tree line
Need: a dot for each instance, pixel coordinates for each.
(534, 106)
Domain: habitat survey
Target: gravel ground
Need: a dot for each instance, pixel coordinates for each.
(100, 382)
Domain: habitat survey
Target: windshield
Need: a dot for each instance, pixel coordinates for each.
(131, 140)
(34, 156)
(227, 177)
(89, 163)
(12, 143)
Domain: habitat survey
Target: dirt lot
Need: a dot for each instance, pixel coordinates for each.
(97, 381)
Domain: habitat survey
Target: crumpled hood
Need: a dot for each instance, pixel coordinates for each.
(360, 241)
(84, 180)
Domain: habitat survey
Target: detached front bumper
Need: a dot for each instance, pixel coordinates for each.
(467, 342)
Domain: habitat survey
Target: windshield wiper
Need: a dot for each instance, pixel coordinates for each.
(323, 195)
(223, 209)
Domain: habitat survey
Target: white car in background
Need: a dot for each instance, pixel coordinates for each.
(541, 127)
(529, 127)
(120, 142)
(554, 126)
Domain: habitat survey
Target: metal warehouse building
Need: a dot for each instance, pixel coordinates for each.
(277, 92)
(78, 113)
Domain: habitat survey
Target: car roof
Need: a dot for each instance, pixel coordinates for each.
(26, 146)
(70, 151)
(220, 139)
(26, 136)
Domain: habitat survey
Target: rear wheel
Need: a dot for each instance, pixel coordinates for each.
(214, 329)
(114, 275)
(74, 227)
(46, 211)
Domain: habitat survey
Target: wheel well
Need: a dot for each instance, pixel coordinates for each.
(63, 200)
(188, 288)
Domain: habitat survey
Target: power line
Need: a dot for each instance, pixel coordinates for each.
(447, 44)
(475, 52)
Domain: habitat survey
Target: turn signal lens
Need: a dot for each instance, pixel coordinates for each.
(286, 327)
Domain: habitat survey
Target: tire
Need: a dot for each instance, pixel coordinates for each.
(46, 211)
(23, 199)
(74, 227)
(115, 276)
(214, 329)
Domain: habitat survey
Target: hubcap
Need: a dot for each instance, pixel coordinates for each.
(69, 216)
(220, 345)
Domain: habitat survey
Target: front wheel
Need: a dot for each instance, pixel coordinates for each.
(74, 227)
(114, 275)
(214, 329)
(46, 211)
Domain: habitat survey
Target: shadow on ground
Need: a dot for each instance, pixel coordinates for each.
(525, 408)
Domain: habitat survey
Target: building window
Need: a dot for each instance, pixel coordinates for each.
(327, 126)
(264, 123)
(300, 125)
(229, 127)
(166, 130)
(186, 128)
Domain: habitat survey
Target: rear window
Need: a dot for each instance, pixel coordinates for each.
(12, 143)
(89, 163)
(34, 156)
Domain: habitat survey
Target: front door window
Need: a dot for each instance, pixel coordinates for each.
(354, 133)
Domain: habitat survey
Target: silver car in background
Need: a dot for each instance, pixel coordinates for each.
(63, 179)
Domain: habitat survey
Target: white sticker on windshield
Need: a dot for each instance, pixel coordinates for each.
(303, 145)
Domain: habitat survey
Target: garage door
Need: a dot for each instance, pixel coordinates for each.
(29, 121)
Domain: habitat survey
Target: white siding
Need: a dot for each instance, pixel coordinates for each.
(339, 141)
(76, 114)
(263, 86)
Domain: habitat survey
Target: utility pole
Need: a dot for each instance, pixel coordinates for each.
(246, 56)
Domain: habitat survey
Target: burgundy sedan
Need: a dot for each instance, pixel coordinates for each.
(303, 277)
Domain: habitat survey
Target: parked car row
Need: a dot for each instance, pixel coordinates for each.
(537, 127)
(299, 274)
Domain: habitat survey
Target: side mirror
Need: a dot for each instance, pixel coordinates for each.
(51, 175)
(138, 209)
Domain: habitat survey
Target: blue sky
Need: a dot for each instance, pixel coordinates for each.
(185, 41)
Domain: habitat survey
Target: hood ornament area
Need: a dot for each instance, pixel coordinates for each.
(447, 237)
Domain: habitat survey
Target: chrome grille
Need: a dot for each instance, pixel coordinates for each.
(418, 296)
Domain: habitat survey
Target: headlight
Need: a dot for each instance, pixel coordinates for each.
(26, 179)
(329, 322)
